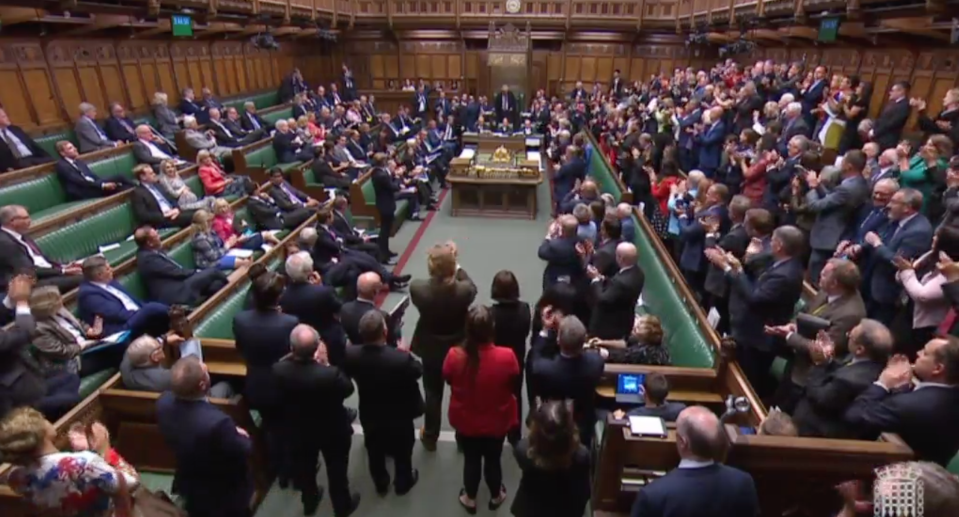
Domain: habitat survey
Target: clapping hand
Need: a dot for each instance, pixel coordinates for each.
(321, 355)
(755, 246)
(716, 256)
(733, 262)
(780, 330)
(315, 278)
(873, 239)
(592, 272)
(710, 224)
(947, 267)
(902, 263)
(96, 329)
(822, 349)
(18, 290)
(77, 436)
(898, 372)
(550, 318)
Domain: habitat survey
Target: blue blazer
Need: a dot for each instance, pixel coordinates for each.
(693, 235)
(93, 301)
(262, 338)
(565, 178)
(768, 300)
(212, 470)
(686, 139)
(711, 146)
(561, 261)
(914, 239)
(712, 491)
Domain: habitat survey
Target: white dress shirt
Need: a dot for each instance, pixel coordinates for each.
(155, 151)
(128, 303)
(22, 151)
(38, 260)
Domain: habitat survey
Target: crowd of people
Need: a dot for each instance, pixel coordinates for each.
(762, 181)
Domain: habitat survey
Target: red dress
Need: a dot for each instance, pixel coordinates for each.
(481, 401)
(754, 182)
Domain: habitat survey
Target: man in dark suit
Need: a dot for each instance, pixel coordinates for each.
(251, 121)
(420, 103)
(925, 414)
(101, 296)
(889, 125)
(150, 149)
(710, 141)
(604, 255)
(563, 262)
(386, 188)
(229, 133)
(143, 369)
(812, 97)
(834, 383)
(908, 235)
(189, 106)
(655, 391)
(712, 217)
(328, 252)
(167, 281)
(312, 393)
(573, 375)
(793, 125)
(17, 149)
(766, 299)
(152, 206)
(572, 171)
(390, 399)
(734, 241)
(344, 230)
(212, 454)
(118, 126)
(615, 297)
(836, 209)
(20, 254)
(78, 180)
(945, 123)
(269, 216)
(506, 106)
(288, 146)
(314, 304)
(287, 197)
(349, 84)
(367, 285)
(700, 486)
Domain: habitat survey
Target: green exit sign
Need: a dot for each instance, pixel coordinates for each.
(182, 25)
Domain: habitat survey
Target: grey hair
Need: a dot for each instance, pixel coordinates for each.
(794, 107)
(304, 340)
(307, 237)
(92, 266)
(572, 333)
(85, 107)
(299, 266)
(912, 198)
(141, 349)
(8, 212)
(189, 121)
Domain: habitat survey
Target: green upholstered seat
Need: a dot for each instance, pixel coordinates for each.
(91, 383)
(687, 345)
(265, 100)
(134, 285)
(49, 141)
(218, 324)
(273, 116)
(84, 238)
(265, 156)
(954, 465)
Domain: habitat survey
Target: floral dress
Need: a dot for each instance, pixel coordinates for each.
(74, 484)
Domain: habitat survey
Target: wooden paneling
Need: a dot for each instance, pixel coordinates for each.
(43, 82)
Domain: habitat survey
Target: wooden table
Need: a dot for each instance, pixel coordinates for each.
(480, 197)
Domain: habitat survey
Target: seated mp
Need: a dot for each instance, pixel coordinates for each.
(324, 170)
(152, 206)
(655, 391)
(267, 215)
(216, 182)
(166, 280)
(329, 251)
(228, 226)
(118, 126)
(142, 367)
(151, 149)
(203, 140)
(20, 254)
(209, 251)
(289, 147)
(101, 296)
(643, 346)
(61, 340)
(352, 239)
(78, 180)
(174, 187)
(226, 137)
(17, 149)
(286, 196)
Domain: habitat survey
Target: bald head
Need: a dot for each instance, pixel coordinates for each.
(143, 131)
(568, 224)
(626, 254)
(623, 210)
(368, 284)
(304, 340)
(700, 435)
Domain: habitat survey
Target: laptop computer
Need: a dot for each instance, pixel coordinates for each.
(629, 388)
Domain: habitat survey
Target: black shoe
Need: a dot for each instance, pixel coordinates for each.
(354, 504)
(284, 482)
(431, 208)
(352, 413)
(382, 489)
(394, 254)
(403, 279)
(310, 507)
(415, 477)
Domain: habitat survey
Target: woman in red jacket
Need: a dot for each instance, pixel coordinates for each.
(218, 183)
(482, 408)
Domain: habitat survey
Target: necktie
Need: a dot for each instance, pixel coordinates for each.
(505, 102)
(8, 138)
(256, 125)
(289, 192)
(97, 129)
(82, 170)
(946, 326)
(126, 126)
(33, 246)
(819, 310)
(225, 130)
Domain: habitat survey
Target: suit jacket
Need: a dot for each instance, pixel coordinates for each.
(262, 338)
(388, 384)
(90, 136)
(220, 133)
(693, 236)
(152, 378)
(794, 127)
(93, 301)
(835, 211)
(312, 397)
(919, 417)
(812, 97)
(770, 299)
(565, 178)
(247, 122)
(710, 144)
(352, 312)
(285, 148)
(147, 209)
(266, 214)
(442, 309)
(212, 469)
(195, 109)
(325, 249)
(319, 307)
(843, 313)
(143, 155)
(911, 241)
(830, 389)
(889, 124)
(14, 258)
(385, 187)
(615, 304)
(166, 121)
(511, 110)
(604, 258)
(511, 324)
(562, 262)
(930, 128)
(554, 493)
(735, 241)
(78, 180)
(570, 378)
(162, 276)
(712, 491)
(7, 158)
(116, 131)
(283, 200)
(20, 380)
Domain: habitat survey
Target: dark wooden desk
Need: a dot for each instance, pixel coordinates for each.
(511, 198)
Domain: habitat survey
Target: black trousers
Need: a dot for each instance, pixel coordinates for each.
(304, 461)
(202, 285)
(383, 240)
(516, 434)
(433, 386)
(755, 364)
(294, 218)
(393, 440)
(481, 458)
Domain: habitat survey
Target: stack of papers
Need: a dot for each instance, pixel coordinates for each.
(647, 426)
(532, 142)
(468, 153)
(108, 247)
(240, 253)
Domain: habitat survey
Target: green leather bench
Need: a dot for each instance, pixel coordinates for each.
(271, 117)
(218, 323)
(48, 142)
(687, 345)
(260, 100)
(369, 199)
(44, 196)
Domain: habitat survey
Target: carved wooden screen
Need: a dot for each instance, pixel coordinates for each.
(508, 60)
